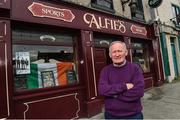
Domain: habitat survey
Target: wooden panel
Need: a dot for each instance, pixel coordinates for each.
(148, 82)
(94, 107)
(3, 78)
(89, 66)
(100, 61)
(58, 107)
(2, 30)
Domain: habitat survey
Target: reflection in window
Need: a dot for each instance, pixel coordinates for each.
(106, 5)
(137, 13)
(176, 14)
(140, 55)
(41, 66)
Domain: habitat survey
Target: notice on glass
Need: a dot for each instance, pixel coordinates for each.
(48, 78)
(22, 63)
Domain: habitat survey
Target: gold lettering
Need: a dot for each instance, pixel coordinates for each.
(52, 12)
(44, 11)
(112, 26)
(91, 21)
(107, 23)
(100, 23)
(104, 23)
(115, 25)
(122, 27)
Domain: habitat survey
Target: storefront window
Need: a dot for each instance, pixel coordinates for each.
(43, 60)
(103, 42)
(140, 55)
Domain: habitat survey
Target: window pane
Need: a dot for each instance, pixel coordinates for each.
(41, 66)
(137, 12)
(34, 36)
(140, 56)
(104, 3)
(176, 12)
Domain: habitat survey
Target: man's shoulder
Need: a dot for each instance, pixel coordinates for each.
(107, 67)
(133, 65)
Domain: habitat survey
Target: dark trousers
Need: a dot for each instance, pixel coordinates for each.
(138, 116)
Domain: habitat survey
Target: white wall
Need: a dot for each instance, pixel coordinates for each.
(118, 8)
(164, 11)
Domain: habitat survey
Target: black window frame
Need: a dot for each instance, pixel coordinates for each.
(95, 4)
(138, 11)
(176, 16)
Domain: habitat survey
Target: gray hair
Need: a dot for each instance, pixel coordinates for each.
(114, 42)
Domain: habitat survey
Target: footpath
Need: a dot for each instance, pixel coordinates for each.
(159, 102)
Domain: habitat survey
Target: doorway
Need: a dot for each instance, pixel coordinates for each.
(174, 58)
(101, 59)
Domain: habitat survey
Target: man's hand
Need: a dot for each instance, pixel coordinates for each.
(129, 85)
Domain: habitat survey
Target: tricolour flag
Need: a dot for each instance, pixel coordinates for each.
(53, 72)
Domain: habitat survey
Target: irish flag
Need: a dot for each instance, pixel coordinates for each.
(48, 74)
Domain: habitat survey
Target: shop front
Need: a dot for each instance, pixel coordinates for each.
(52, 54)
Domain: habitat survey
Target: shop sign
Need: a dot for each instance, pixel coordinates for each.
(104, 23)
(92, 21)
(154, 3)
(138, 30)
(40, 10)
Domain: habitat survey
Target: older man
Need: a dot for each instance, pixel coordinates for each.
(122, 84)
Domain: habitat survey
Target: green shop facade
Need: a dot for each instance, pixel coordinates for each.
(51, 54)
(170, 45)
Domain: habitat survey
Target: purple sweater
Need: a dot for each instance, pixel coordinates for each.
(112, 84)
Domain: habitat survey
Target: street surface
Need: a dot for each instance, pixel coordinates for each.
(160, 102)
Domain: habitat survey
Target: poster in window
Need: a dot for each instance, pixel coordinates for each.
(71, 76)
(22, 63)
(48, 79)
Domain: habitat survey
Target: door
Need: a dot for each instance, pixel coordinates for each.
(174, 57)
(101, 59)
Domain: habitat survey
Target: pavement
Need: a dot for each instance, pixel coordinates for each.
(159, 102)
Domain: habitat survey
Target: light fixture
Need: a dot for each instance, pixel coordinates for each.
(47, 37)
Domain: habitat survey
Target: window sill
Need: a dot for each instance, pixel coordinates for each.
(46, 91)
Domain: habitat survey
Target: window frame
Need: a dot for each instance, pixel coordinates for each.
(176, 16)
(75, 46)
(94, 4)
(146, 52)
(139, 11)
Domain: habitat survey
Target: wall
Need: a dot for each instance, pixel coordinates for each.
(165, 14)
(118, 8)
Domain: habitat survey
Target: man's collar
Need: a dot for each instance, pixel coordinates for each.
(116, 65)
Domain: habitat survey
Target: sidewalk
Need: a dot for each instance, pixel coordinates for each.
(160, 102)
(163, 102)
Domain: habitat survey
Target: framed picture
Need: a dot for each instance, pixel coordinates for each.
(71, 76)
(22, 63)
(48, 79)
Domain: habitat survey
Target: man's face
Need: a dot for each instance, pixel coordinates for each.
(117, 53)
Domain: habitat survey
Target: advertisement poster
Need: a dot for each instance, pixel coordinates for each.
(22, 63)
(48, 78)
